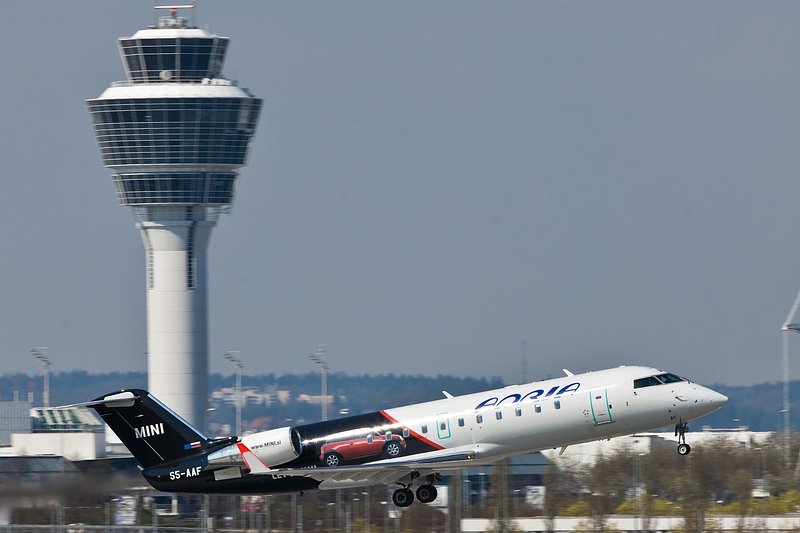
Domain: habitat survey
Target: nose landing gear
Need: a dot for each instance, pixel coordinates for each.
(680, 431)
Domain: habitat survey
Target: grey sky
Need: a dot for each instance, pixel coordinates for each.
(431, 184)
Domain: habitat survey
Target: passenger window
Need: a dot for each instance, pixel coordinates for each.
(518, 411)
(405, 433)
(479, 419)
(443, 426)
(538, 409)
(461, 422)
(369, 439)
(498, 415)
(424, 428)
(557, 404)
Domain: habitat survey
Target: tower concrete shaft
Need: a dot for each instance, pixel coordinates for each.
(175, 134)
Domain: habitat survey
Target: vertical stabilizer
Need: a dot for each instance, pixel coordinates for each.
(149, 429)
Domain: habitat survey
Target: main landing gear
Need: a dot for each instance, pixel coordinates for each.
(426, 493)
(403, 497)
(680, 431)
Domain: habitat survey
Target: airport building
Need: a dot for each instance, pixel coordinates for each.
(72, 433)
(174, 134)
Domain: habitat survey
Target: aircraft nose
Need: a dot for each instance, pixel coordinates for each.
(718, 399)
(712, 399)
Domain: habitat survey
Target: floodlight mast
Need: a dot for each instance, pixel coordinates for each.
(40, 353)
(235, 357)
(320, 357)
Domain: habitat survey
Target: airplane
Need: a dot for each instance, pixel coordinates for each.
(406, 446)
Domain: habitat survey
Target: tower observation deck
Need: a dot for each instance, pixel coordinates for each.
(175, 134)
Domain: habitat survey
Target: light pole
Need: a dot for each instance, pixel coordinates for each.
(788, 325)
(367, 502)
(385, 506)
(40, 353)
(639, 489)
(235, 357)
(320, 357)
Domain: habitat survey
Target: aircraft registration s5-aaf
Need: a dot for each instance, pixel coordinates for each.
(408, 446)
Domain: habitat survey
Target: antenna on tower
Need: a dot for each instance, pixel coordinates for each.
(175, 7)
(173, 20)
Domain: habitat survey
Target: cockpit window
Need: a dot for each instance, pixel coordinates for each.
(645, 382)
(660, 379)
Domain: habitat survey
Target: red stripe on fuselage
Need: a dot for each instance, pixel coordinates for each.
(412, 432)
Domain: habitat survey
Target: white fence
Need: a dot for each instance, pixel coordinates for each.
(778, 523)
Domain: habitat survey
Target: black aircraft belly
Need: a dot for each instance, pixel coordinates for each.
(205, 483)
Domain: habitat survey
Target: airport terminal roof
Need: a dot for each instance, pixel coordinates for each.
(64, 419)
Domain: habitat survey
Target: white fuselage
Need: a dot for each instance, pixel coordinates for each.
(538, 415)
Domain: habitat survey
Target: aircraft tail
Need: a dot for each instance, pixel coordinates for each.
(152, 432)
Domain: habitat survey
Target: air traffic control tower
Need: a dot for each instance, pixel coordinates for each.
(175, 134)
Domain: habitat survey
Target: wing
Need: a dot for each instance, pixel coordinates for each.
(385, 471)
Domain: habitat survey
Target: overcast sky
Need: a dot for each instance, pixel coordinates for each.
(430, 185)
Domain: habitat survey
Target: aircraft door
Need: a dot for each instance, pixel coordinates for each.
(598, 402)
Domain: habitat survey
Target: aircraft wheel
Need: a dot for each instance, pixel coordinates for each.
(426, 493)
(684, 449)
(332, 459)
(403, 497)
(392, 448)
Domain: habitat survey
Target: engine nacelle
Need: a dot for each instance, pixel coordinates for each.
(274, 447)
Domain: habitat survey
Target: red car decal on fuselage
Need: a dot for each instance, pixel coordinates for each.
(386, 445)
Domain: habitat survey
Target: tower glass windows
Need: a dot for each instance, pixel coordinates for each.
(177, 59)
(152, 131)
(176, 188)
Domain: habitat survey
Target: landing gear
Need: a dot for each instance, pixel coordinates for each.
(680, 431)
(403, 497)
(426, 493)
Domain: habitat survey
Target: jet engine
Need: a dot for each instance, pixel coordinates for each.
(273, 447)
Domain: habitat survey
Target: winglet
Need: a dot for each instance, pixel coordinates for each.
(255, 464)
(567, 372)
(447, 394)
